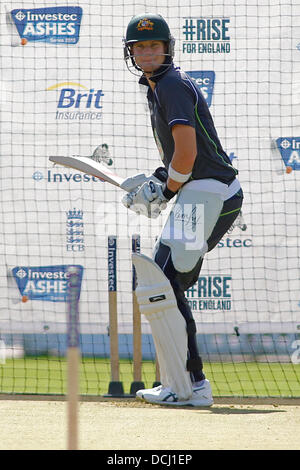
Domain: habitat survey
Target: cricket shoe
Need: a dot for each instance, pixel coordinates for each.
(201, 396)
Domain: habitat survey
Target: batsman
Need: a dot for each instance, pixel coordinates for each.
(199, 179)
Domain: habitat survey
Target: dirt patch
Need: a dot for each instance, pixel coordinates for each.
(132, 424)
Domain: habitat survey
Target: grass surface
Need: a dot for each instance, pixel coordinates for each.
(47, 375)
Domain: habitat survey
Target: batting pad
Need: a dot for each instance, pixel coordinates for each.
(157, 302)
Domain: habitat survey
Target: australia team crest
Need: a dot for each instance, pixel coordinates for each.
(145, 24)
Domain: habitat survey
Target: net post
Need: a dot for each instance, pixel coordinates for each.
(73, 355)
(137, 383)
(115, 386)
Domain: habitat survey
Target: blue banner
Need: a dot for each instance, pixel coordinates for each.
(289, 148)
(55, 25)
(205, 81)
(48, 283)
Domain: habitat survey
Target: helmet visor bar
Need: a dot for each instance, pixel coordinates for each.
(130, 57)
(151, 67)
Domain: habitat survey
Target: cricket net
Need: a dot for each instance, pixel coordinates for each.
(65, 90)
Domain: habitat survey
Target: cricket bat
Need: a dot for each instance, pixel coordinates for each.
(90, 167)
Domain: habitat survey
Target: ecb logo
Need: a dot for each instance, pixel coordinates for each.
(289, 148)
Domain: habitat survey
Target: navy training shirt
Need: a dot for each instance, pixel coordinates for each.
(176, 100)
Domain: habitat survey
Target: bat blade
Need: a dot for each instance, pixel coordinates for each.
(90, 167)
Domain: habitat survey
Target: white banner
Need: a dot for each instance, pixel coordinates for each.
(65, 90)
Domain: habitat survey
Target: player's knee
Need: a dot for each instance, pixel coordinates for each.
(162, 257)
(181, 281)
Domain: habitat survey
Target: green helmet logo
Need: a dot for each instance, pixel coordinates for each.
(145, 24)
(147, 27)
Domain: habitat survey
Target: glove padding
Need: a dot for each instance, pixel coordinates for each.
(147, 200)
(133, 183)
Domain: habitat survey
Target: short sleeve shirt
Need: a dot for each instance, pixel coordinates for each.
(176, 100)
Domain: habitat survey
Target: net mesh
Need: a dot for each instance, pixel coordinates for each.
(65, 90)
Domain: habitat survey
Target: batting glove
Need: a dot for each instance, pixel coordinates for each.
(133, 183)
(149, 200)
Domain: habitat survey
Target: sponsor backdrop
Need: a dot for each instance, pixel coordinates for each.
(65, 90)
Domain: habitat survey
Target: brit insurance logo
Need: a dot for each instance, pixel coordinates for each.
(206, 35)
(55, 25)
(205, 81)
(76, 102)
(44, 282)
(289, 148)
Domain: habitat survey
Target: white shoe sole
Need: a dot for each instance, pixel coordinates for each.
(205, 400)
(192, 402)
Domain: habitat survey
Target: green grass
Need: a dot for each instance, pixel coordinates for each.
(47, 375)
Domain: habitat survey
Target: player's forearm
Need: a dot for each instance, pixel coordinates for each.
(185, 152)
(182, 164)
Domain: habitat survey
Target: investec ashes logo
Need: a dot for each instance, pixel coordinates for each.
(289, 148)
(55, 25)
(210, 293)
(206, 36)
(204, 80)
(44, 282)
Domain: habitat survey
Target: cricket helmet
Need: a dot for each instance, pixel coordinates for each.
(148, 27)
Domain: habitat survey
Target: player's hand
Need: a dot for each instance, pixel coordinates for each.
(133, 183)
(148, 200)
